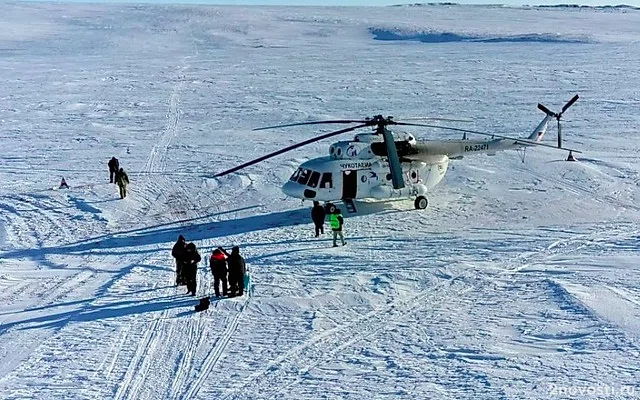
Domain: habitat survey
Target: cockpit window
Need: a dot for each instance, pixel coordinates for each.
(326, 182)
(304, 176)
(295, 175)
(315, 177)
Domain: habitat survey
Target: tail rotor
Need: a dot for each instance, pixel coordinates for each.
(558, 116)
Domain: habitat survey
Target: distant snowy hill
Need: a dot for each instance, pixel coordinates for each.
(519, 281)
(558, 6)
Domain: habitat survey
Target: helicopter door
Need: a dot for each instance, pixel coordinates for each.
(349, 184)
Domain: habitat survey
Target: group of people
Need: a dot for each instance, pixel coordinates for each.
(118, 176)
(187, 259)
(336, 220)
(228, 269)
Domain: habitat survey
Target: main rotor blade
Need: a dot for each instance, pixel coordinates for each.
(546, 110)
(431, 126)
(330, 121)
(516, 139)
(295, 146)
(435, 119)
(569, 103)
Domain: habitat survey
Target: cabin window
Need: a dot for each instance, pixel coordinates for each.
(315, 177)
(295, 175)
(326, 182)
(304, 176)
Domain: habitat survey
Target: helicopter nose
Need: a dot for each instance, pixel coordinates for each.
(293, 189)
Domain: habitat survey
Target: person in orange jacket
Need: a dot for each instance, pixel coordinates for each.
(218, 265)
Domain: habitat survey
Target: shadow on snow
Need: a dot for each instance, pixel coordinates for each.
(194, 229)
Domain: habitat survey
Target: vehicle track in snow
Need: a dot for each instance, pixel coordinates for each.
(139, 365)
(290, 368)
(213, 357)
(180, 206)
(60, 289)
(193, 330)
(579, 189)
(153, 189)
(573, 243)
(139, 374)
(41, 216)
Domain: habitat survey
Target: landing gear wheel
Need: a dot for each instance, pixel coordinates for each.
(421, 202)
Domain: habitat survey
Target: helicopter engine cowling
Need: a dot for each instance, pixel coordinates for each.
(383, 192)
(351, 150)
(403, 147)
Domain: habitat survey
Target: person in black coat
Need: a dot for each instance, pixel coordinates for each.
(218, 265)
(237, 269)
(177, 252)
(318, 215)
(114, 167)
(190, 267)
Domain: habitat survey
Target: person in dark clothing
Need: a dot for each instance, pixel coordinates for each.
(177, 252)
(237, 269)
(317, 215)
(218, 265)
(190, 267)
(122, 179)
(114, 167)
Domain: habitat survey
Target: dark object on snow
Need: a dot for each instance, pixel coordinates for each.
(204, 304)
(237, 270)
(114, 167)
(122, 179)
(218, 265)
(178, 252)
(63, 184)
(318, 215)
(190, 267)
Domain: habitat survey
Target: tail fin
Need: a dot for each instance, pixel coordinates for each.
(540, 130)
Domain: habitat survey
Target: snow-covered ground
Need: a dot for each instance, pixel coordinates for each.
(521, 280)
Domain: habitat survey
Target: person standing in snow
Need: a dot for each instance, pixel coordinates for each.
(337, 221)
(122, 179)
(114, 166)
(178, 252)
(190, 267)
(237, 270)
(218, 265)
(318, 215)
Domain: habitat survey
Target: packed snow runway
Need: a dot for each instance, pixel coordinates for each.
(520, 281)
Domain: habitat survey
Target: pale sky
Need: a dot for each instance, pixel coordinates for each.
(635, 3)
(392, 2)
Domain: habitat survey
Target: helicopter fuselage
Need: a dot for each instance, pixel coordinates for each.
(327, 179)
(359, 169)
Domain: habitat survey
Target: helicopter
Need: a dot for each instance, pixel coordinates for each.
(384, 165)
